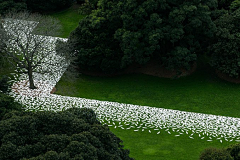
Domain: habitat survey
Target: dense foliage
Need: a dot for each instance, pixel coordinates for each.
(224, 4)
(46, 5)
(120, 33)
(215, 154)
(235, 5)
(71, 134)
(4, 83)
(7, 104)
(230, 153)
(225, 50)
(234, 151)
(34, 5)
(6, 5)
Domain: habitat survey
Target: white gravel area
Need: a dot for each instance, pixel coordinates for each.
(126, 116)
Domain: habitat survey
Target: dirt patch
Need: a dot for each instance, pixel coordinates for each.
(53, 90)
(22, 88)
(151, 68)
(227, 78)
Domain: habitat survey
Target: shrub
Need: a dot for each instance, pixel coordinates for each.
(234, 151)
(235, 5)
(6, 5)
(4, 84)
(7, 104)
(93, 2)
(224, 4)
(225, 51)
(85, 8)
(71, 134)
(215, 154)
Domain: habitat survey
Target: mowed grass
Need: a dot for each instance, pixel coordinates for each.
(69, 19)
(163, 146)
(200, 92)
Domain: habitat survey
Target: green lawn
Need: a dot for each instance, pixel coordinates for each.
(69, 19)
(201, 92)
(152, 146)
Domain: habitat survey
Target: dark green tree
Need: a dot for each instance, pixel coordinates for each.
(70, 134)
(225, 50)
(7, 104)
(46, 5)
(235, 5)
(95, 44)
(224, 4)
(4, 83)
(234, 151)
(7, 5)
(120, 33)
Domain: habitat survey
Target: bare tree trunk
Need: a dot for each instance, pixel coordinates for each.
(30, 76)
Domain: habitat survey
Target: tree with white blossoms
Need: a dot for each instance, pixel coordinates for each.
(26, 43)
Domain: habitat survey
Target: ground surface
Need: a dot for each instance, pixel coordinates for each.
(143, 90)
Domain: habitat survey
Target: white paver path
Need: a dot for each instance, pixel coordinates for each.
(126, 116)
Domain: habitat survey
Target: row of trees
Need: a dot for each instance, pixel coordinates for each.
(175, 33)
(34, 5)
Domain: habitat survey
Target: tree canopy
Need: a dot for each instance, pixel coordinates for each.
(225, 50)
(120, 33)
(70, 134)
(17, 5)
(7, 104)
(46, 5)
(34, 5)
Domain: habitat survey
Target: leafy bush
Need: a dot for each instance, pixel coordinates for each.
(235, 5)
(85, 8)
(224, 4)
(93, 2)
(6, 5)
(71, 134)
(225, 50)
(3, 84)
(46, 5)
(215, 154)
(7, 104)
(234, 151)
(120, 33)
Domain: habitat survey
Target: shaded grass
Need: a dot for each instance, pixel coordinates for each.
(201, 92)
(69, 19)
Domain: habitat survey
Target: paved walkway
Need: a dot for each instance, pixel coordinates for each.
(125, 116)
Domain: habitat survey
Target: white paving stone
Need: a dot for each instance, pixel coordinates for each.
(126, 116)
